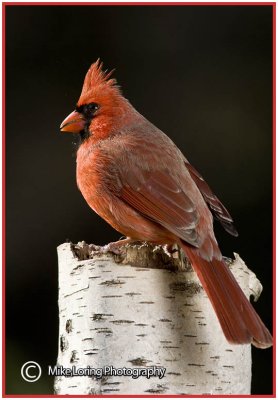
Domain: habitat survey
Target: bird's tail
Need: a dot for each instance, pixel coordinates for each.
(238, 319)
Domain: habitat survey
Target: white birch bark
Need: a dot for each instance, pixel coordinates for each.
(139, 312)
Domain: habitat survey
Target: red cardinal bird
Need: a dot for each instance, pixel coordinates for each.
(135, 177)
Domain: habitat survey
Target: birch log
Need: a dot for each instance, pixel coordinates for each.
(140, 313)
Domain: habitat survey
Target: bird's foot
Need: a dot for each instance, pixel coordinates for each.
(117, 247)
(172, 249)
(177, 254)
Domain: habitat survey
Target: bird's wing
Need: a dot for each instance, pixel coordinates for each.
(158, 196)
(215, 205)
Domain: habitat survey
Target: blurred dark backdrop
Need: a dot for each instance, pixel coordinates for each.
(203, 74)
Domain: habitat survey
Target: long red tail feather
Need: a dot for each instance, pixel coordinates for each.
(238, 319)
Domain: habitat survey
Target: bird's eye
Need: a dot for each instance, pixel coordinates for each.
(88, 110)
(92, 107)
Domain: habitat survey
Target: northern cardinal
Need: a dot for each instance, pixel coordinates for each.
(135, 177)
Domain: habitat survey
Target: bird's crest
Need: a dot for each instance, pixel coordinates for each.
(96, 78)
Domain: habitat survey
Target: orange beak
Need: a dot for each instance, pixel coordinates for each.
(74, 123)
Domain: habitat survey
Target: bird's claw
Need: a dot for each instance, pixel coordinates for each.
(171, 248)
(117, 248)
(113, 248)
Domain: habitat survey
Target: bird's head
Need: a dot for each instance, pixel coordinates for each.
(101, 108)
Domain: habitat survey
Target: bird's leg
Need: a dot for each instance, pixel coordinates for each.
(176, 252)
(182, 259)
(171, 248)
(116, 247)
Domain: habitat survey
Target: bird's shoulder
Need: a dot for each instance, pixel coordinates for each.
(142, 144)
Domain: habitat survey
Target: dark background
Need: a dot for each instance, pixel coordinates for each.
(203, 74)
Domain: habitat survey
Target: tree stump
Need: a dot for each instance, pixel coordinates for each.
(138, 323)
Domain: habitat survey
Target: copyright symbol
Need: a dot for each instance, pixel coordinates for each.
(31, 371)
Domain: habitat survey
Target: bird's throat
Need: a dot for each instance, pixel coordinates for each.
(83, 135)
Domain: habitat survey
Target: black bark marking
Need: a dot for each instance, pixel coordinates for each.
(133, 294)
(122, 321)
(77, 269)
(139, 362)
(63, 343)
(100, 317)
(103, 330)
(80, 290)
(173, 373)
(191, 288)
(69, 326)
(142, 269)
(113, 282)
(146, 302)
(196, 365)
(202, 343)
(74, 357)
